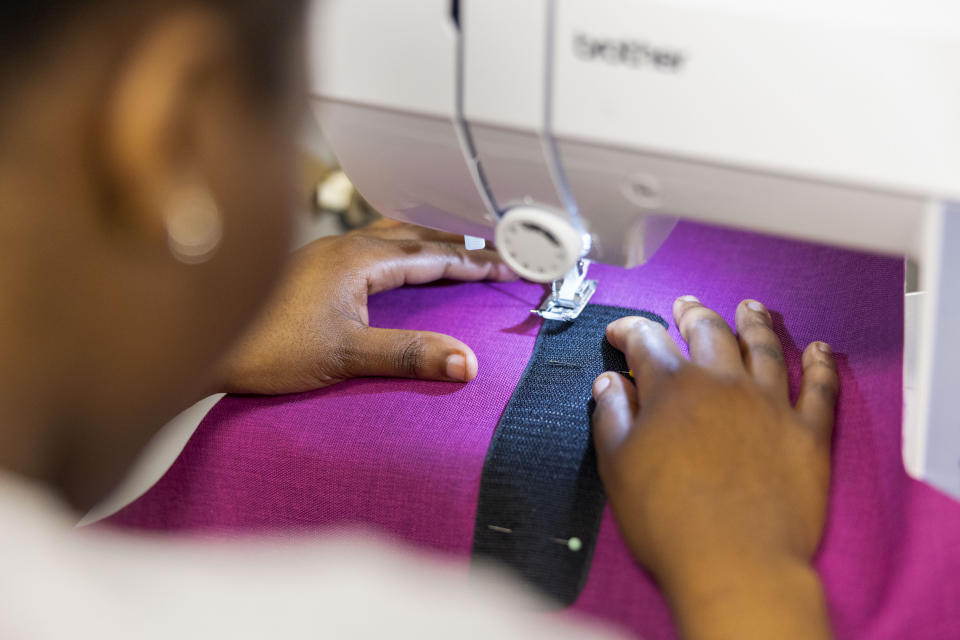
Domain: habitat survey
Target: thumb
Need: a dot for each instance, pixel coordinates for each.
(616, 408)
(409, 354)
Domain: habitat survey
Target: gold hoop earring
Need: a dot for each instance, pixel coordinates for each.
(194, 225)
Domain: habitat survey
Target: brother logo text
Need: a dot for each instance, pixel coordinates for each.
(629, 53)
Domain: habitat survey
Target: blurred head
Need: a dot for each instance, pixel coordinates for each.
(147, 177)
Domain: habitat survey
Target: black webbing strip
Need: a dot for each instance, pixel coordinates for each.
(540, 497)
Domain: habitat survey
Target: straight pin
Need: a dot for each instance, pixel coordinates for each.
(494, 527)
(570, 365)
(574, 544)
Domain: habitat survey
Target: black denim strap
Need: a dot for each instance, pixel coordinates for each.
(540, 497)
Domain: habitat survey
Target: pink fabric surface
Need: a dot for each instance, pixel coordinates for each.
(405, 457)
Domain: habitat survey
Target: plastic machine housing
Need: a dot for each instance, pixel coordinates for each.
(834, 122)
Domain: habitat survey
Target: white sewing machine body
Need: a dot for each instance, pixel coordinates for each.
(575, 129)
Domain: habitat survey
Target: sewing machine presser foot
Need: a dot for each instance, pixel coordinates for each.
(569, 297)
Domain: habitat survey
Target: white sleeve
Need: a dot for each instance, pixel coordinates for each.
(110, 585)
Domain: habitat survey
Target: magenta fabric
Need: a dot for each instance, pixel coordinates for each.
(405, 457)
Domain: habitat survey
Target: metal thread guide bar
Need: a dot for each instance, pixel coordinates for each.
(569, 296)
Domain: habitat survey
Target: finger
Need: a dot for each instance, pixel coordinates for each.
(384, 223)
(819, 388)
(651, 353)
(409, 354)
(760, 349)
(394, 264)
(394, 230)
(616, 408)
(712, 343)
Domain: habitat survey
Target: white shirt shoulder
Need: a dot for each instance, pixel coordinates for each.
(60, 582)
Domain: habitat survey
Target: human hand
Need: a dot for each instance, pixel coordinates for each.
(718, 484)
(316, 332)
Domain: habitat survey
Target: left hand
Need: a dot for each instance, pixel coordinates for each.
(316, 331)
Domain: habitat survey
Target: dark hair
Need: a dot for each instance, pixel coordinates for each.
(264, 29)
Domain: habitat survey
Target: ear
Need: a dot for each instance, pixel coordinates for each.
(154, 110)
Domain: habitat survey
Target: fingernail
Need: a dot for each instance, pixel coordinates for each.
(756, 306)
(689, 298)
(600, 385)
(625, 323)
(824, 347)
(456, 367)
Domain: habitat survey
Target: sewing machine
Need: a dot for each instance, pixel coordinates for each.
(569, 131)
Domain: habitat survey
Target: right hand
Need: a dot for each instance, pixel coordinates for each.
(316, 331)
(718, 484)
